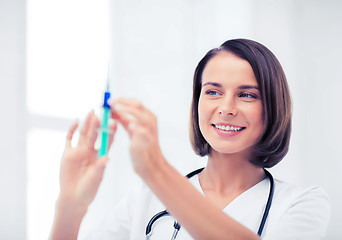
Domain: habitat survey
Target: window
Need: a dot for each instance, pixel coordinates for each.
(67, 59)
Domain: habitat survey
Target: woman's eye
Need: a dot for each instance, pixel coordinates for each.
(211, 93)
(247, 95)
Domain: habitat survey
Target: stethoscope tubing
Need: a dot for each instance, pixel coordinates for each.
(268, 204)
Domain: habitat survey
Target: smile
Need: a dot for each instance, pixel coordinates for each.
(228, 128)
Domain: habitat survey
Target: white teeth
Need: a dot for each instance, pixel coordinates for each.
(228, 128)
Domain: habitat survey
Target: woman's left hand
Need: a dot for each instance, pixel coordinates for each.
(141, 125)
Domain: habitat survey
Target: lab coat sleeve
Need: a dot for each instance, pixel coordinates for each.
(306, 217)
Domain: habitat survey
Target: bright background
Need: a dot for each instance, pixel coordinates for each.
(53, 63)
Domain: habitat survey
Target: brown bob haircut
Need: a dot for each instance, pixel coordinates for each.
(273, 143)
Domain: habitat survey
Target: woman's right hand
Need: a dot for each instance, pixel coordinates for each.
(80, 176)
(81, 169)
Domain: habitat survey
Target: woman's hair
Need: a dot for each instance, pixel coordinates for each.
(273, 143)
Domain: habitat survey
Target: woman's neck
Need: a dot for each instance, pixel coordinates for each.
(230, 173)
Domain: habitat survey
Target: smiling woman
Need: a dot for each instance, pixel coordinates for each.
(260, 67)
(234, 112)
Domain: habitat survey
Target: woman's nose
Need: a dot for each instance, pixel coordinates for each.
(228, 107)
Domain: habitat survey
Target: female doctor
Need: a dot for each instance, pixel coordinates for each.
(240, 120)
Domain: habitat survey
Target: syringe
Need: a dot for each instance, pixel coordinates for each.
(104, 128)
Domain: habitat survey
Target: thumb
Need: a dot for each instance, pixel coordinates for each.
(91, 181)
(100, 165)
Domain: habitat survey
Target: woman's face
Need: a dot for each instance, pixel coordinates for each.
(230, 108)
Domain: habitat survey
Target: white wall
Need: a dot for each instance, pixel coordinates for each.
(12, 120)
(318, 38)
(307, 36)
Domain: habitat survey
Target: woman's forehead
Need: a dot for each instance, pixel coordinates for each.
(226, 67)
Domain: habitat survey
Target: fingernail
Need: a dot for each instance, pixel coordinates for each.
(131, 126)
(117, 107)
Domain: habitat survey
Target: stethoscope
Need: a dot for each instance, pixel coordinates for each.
(177, 226)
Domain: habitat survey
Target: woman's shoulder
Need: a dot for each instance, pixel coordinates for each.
(298, 211)
(289, 192)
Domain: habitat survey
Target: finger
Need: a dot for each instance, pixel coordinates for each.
(125, 108)
(98, 170)
(92, 179)
(93, 131)
(85, 128)
(124, 119)
(122, 104)
(130, 101)
(119, 115)
(141, 116)
(70, 134)
(112, 127)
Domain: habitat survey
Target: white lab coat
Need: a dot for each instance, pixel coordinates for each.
(295, 214)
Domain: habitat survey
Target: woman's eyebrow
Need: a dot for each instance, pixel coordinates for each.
(212, 84)
(215, 84)
(248, 87)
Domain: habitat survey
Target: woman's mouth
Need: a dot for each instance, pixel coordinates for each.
(228, 127)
